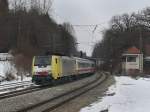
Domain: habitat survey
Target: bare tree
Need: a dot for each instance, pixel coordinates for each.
(47, 5)
(3, 7)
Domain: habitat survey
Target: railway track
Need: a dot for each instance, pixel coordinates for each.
(17, 88)
(50, 104)
(9, 90)
(21, 92)
(14, 86)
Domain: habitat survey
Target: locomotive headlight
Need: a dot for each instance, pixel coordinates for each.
(49, 71)
(33, 73)
(36, 73)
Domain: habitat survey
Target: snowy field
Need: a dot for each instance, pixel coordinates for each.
(126, 95)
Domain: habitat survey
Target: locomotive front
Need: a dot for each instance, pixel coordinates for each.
(41, 69)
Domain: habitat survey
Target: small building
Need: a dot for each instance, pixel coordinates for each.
(132, 61)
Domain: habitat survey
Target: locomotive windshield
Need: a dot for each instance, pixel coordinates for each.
(42, 60)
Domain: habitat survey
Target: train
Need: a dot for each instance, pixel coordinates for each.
(49, 69)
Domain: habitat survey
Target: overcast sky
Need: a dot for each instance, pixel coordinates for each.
(80, 12)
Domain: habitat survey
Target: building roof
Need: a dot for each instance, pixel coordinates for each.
(132, 50)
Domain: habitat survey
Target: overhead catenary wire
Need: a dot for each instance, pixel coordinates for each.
(91, 29)
(93, 26)
(88, 25)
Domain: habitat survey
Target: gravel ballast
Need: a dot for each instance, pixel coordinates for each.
(88, 98)
(16, 103)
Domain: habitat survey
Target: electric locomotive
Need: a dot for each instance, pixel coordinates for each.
(47, 69)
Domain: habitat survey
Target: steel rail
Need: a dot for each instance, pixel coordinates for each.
(33, 88)
(63, 98)
(14, 83)
(13, 86)
(22, 91)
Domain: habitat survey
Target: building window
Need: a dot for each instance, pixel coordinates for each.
(131, 59)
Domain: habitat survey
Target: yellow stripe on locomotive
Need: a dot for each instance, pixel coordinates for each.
(56, 67)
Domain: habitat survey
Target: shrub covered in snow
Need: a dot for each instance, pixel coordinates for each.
(10, 73)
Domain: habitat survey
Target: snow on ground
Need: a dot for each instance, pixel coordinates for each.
(2, 68)
(6, 67)
(17, 80)
(126, 95)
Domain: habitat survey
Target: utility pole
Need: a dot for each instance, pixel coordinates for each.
(141, 49)
(140, 40)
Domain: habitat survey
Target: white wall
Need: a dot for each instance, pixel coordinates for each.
(138, 64)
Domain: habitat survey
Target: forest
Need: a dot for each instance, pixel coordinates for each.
(27, 29)
(126, 30)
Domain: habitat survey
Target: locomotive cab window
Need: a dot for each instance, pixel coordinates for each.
(42, 60)
(93, 65)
